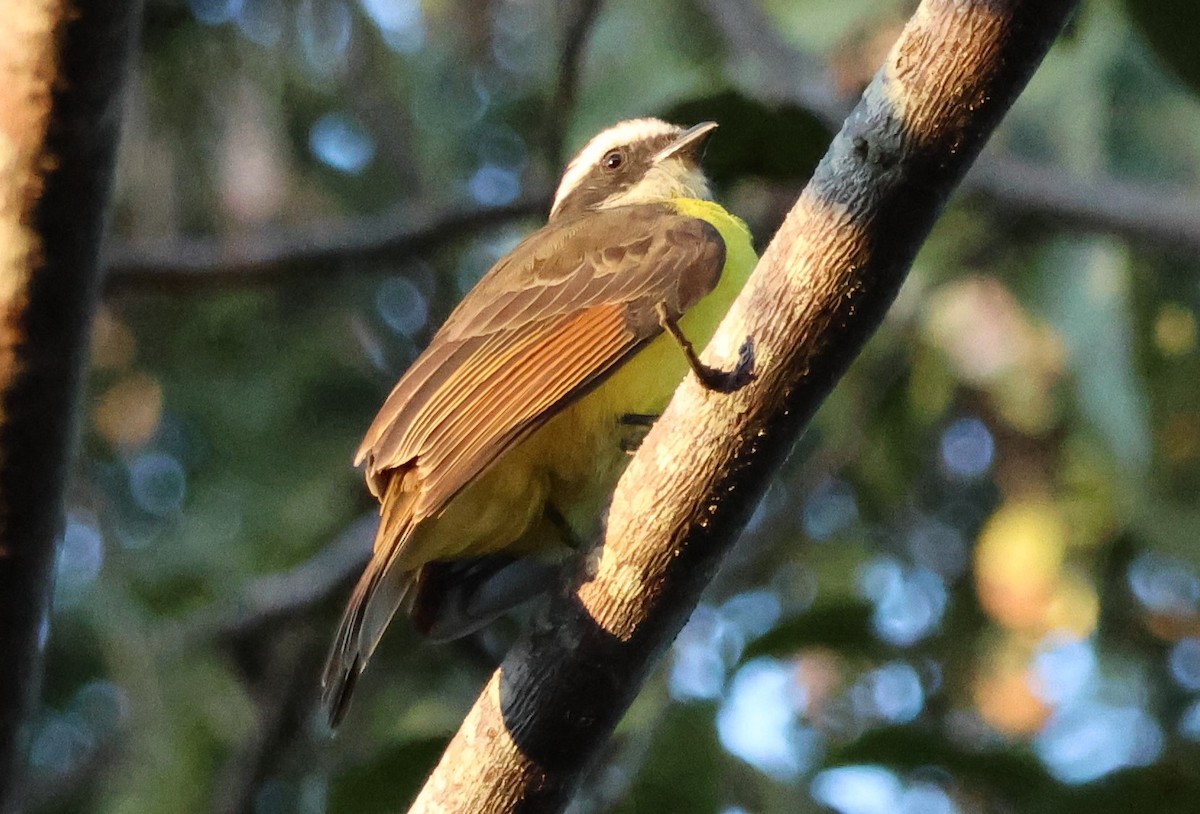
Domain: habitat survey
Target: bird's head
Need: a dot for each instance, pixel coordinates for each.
(634, 162)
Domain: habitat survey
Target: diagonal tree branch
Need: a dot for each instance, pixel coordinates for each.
(821, 289)
(64, 65)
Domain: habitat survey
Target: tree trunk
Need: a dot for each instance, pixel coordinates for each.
(62, 69)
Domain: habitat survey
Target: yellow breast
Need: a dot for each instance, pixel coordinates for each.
(574, 461)
(583, 445)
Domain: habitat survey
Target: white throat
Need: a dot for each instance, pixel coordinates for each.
(664, 182)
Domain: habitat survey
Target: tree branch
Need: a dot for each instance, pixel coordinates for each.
(64, 65)
(274, 597)
(180, 264)
(821, 289)
(1168, 218)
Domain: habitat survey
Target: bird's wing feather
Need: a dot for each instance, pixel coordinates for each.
(544, 326)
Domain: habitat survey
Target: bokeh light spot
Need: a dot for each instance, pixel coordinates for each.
(262, 21)
(157, 482)
(967, 449)
(698, 667)
(1185, 663)
(113, 343)
(59, 744)
(1003, 690)
(1018, 561)
(1164, 584)
(939, 547)
(753, 612)
(926, 798)
(909, 602)
(892, 693)
(1088, 740)
(102, 705)
(757, 721)
(494, 186)
(128, 413)
(341, 142)
(399, 21)
(215, 12)
(324, 27)
(1175, 329)
(1063, 668)
(829, 509)
(401, 305)
(1189, 722)
(80, 558)
(858, 790)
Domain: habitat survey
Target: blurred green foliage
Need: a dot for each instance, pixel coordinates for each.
(974, 587)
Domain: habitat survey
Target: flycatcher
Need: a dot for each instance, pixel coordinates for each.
(508, 433)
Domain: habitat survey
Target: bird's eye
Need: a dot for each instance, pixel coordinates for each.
(613, 159)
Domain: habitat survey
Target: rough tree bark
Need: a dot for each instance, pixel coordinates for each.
(62, 69)
(821, 289)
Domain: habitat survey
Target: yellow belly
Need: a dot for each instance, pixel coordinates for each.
(573, 462)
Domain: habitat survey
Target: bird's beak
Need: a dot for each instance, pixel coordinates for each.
(689, 143)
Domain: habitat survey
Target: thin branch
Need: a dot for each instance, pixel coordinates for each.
(283, 694)
(1162, 216)
(274, 597)
(583, 14)
(317, 250)
(821, 289)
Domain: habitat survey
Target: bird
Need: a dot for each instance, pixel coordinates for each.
(506, 436)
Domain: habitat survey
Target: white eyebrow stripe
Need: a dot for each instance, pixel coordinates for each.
(619, 134)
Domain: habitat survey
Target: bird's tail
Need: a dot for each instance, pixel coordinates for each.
(380, 592)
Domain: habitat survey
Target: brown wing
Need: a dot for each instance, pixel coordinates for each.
(545, 325)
